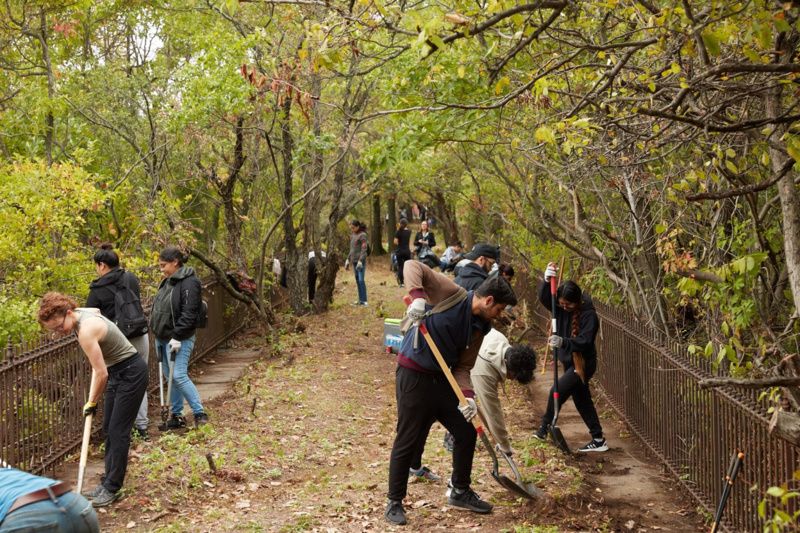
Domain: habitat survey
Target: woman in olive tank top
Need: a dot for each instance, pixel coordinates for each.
(119, 371)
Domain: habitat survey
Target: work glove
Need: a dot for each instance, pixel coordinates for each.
(416, 311)
(469, 410)
(90, 408)
(509, 452)
(359, 266)
(550, 271)
(347, 264)
(555, 341)
(174, 345)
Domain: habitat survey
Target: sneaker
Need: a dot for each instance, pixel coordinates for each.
(395, 513)
(448, 442)
(596, 445)
(468, 499)
(541, 434)
(363, 304)
(174, 422)
(94, 492)
(424, 473)
(200, 419)
(140, 433)
(104, 497)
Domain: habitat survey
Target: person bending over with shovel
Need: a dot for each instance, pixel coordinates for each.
(118, 369)
(573, 346)
(457, 324)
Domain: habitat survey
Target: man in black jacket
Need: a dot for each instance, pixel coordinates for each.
(482, 256)
(102, 293)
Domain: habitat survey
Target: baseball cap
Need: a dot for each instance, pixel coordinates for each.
(483, 249)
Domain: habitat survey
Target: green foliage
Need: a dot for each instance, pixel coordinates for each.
(775, 509)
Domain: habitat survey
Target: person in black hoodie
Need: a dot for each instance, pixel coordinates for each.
(573, 345)
(102, 292)
(483, 257)
(176, 310)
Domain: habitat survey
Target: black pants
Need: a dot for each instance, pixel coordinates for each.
(312, 279)
(569, 384)
(421, 400)
(127, 383)
(402, 257)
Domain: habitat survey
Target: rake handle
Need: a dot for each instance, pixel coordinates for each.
(87, 434)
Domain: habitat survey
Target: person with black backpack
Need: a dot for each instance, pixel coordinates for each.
(116, 293)
(178, 310)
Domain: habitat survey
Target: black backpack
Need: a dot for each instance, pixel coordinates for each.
(128, 313)
(202, 316)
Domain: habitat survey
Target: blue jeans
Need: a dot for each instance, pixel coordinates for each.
(182, 386)
(72, 514)
(361, 284)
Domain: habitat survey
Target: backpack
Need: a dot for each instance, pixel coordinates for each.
(128, 313)
(202, 316)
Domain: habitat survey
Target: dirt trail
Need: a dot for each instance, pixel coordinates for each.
(302, 443)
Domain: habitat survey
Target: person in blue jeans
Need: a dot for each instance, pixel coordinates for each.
(34, 503)
(358, 258)
(176, 312)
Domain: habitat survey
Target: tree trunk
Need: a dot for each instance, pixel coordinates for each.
(391, 225)
(375, 232)
(446, 218)
(49, 126)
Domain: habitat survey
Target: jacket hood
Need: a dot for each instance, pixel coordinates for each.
(180, 274)
(109, 278)
(586, 302)
(473, 270)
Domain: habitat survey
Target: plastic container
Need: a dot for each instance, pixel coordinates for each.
(391, 335)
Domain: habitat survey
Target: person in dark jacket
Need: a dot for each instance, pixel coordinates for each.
(402, 238)
(573, 345)
(482, 256)
(358, 258)
(102, 293)
(176, 309)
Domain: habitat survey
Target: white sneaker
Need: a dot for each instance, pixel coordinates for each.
(595, 446)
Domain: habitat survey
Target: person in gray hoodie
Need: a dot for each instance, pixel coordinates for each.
(176, 311)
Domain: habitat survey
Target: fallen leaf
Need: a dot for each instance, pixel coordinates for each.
(243, 504)
(131, 524)
(630, 524)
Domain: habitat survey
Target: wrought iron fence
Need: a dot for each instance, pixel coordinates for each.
(653, 385)
(44, 384)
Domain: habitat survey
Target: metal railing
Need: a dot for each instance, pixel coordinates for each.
(653, 385)
(43, 386)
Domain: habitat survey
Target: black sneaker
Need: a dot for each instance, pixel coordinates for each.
(104, 497)
(395, 513)
(200, 419)
(469, 500)
(596, 445)
(140, 433)
(541, 434)
(174, 422)
(94, 492)
(449, 442)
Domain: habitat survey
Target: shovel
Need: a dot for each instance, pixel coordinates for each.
(519, 488)
(555, 431)
(164, 407)
(87, 434)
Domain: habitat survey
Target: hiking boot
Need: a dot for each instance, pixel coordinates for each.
(174, 422)
(94, 492)
(424, 473)
(596, 445)
(541, 434)
(448, 442)
(395, 513)
(140, 433)
(469, 500)
(200, 419)
(104, 497)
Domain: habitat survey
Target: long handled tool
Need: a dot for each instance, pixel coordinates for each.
(555, 431)
(87, 434)
(164, 406)
(172, 355)
(523, 489)
(730, 477)
(547, 347)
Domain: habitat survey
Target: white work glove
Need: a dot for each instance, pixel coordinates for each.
(359, 265)
(550, 271)
(555, 341)
(416, 311)
(174, 345)
(469, 410)
(509, 452)
(347, 264)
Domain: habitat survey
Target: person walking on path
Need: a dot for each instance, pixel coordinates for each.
(177, 309)
(482, 257)
(118, 370)
(424, 239)
(457, 324)
(358, 258)
(402, 238)
(103, 295)
(573, 346)
(35, 503)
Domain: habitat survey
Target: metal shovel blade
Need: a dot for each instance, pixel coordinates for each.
(523, 490)
(558, 439)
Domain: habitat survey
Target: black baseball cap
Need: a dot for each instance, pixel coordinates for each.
(483, 249)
